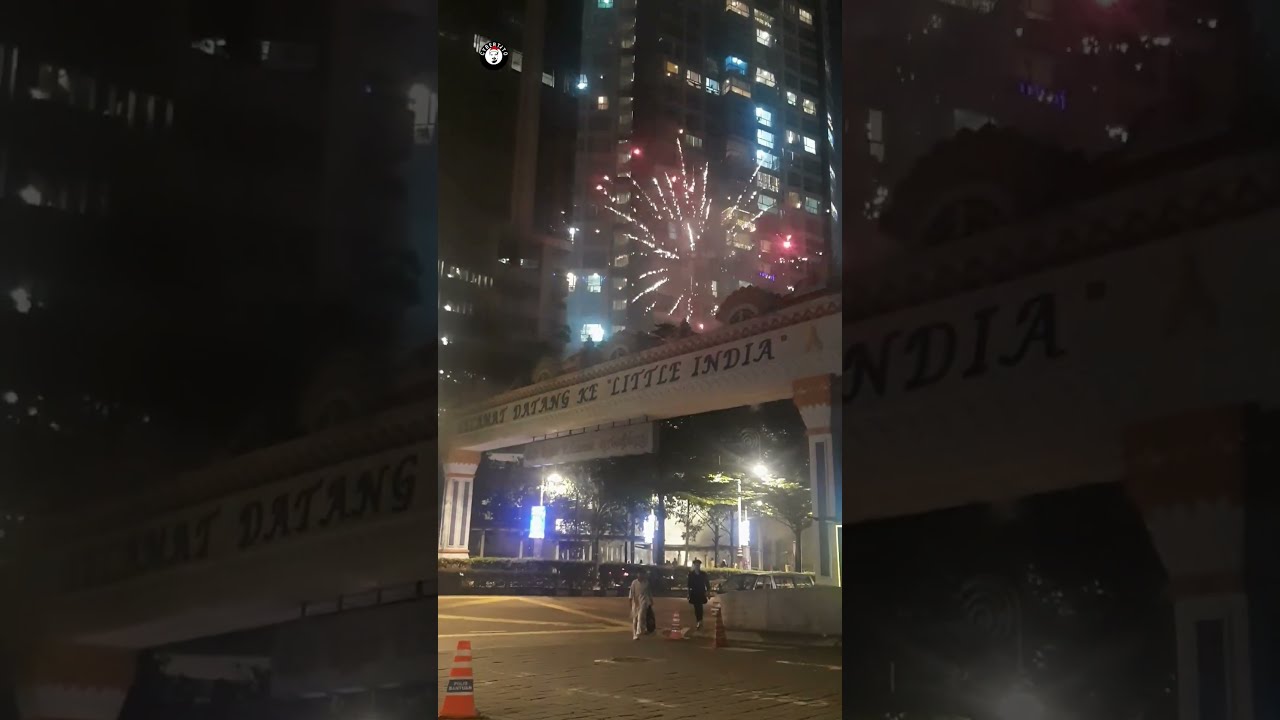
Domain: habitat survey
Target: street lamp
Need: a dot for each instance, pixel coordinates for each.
(555, 480)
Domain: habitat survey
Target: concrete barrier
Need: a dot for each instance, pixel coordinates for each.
(817, 611)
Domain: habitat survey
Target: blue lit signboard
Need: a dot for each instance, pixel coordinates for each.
(537, 522)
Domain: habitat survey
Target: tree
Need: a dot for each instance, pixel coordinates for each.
(720, 519)
(691, 511)
(503, 495)
(790, 503)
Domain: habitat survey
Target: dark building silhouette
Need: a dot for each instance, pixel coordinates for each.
(506, 151)
(199, 202)
(1089, 75)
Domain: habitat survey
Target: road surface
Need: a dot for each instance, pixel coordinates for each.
(542, 658)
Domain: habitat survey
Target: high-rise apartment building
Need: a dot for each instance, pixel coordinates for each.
(199, 201)
(505, 175)
(1088, 75)
(740, 86)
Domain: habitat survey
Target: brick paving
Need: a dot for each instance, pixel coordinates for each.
(651, 679)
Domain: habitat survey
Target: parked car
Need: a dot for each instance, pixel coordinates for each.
(760, 581)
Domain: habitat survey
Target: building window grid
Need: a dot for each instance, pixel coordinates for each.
(737, 6)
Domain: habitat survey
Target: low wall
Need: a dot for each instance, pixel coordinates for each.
(817, 611)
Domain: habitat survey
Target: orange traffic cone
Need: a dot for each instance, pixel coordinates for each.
(721, 640)
(674, 633)
(459, 698)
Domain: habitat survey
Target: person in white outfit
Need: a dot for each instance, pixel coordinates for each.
(641, 595)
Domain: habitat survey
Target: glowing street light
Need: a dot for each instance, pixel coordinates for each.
(760, 471)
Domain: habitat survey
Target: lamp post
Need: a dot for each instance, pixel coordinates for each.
(751, 441)
(555, 479)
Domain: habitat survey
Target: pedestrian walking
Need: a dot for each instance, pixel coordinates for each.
(641, 595)
(699, 591)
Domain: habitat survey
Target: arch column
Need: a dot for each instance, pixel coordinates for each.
(74, 682)
(1186, 474)
(455, 510)
(816, 398)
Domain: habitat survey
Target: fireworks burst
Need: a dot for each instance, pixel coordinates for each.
(669, 216)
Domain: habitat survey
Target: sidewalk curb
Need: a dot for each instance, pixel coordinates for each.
(772, 638)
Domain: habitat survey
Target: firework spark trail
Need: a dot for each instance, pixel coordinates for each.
(683, 205)
(650, 289)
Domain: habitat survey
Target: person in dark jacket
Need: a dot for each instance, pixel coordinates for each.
(699, 590)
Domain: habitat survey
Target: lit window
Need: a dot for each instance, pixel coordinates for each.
(764, 18)
(765, 181)
(793, 199)
(571, 280)
(764, 117)
(593, 332)
(672, 68)
(624, 198)
(604, 4)
(735, 64)
(806, 17)
(809, 107)
(693, 140)
(693, 78)
(602, 103)
(739, 87)
(791, 98)
(792, 137)
(763, 37)
(875, 133)
(766, 160)
(549, 79)
(737, 6)
(811, 205)
(713, 86)
(766, 203)
(764, 139)
(517, 60)
(764, 77)
(594, 282)
(582, 82)
(811, 146)
(620, 304)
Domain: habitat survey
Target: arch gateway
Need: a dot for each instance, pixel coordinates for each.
(789, 353)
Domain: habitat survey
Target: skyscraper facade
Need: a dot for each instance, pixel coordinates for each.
(666, 90)
(505, 154)
(195, 190)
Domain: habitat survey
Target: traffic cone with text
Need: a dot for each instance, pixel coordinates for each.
(459, 695)
(721, 640)
(675, 632)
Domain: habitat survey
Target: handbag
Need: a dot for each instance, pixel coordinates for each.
(650, 620)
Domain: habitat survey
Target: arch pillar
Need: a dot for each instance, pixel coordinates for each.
(815, 397)
(1186, 474)
(74, 682)
(455, 510)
